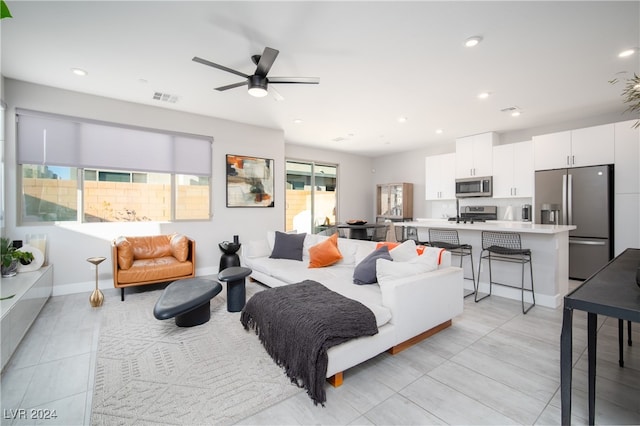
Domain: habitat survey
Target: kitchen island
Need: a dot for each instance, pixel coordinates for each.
(549, 245)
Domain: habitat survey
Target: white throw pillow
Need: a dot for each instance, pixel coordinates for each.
(432, 255)
(404, 252)
(389, 270)
(348, 250)
(257, 248)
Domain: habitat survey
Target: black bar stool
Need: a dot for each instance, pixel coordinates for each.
(505, 247)
(448, 239)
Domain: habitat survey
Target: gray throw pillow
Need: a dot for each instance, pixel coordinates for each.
(365, 271)
(288, 246)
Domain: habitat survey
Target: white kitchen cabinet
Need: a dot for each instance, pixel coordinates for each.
(589, 146)
(552, 151)
(627, 158)
(440, 179)
(592, 146)
(513, 173)
(474, 155)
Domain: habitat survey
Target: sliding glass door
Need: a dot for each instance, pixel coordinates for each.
(311, 196)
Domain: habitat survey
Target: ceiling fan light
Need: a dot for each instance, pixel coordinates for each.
(258, 86)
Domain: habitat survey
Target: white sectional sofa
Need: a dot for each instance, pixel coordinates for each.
(409, 303)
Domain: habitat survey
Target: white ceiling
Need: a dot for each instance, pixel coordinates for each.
(376, 61)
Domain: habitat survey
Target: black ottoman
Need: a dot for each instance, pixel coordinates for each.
(236, 294)
(187, 300)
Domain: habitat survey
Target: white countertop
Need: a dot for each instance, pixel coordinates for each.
(491, 225)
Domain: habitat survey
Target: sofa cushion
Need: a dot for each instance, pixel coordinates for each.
(161, 268)
(150, 247)
(288, 246)
(180, 247)
(125, 253)
(365, 271)
(325, 253)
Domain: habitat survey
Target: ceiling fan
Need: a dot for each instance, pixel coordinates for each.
(258, 82)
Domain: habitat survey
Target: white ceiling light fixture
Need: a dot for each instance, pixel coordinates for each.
(439, 131)
(516, 113)
(402, 119)
(79, 71)
(483, 95)
(472, 41)
(258, 86)
(628, 52)
(297, 121)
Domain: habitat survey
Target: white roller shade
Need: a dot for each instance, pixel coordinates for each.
(72, 142)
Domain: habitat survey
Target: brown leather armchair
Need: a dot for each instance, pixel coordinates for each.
(153, 259)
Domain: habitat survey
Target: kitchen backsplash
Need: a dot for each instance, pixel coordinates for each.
(446, 209)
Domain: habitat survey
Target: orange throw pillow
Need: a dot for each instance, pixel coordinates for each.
(392, 245)
(325, 254)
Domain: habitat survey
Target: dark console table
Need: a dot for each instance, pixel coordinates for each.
(612, 291)
(359, 232)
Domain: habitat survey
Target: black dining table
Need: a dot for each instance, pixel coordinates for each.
(612, 291)
(360, 231)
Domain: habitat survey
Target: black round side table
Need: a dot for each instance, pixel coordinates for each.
(236, 292)
(229, 256)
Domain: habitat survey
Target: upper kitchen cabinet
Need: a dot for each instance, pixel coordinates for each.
(394, 201)
(474, 155)
(513, 173)
(440, 178)
(575, 148)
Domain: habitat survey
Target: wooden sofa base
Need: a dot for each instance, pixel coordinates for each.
(336, 379)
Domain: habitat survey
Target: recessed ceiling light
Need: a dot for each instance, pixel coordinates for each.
(439, 131)
(483, 95)
(627, 53)
(402, 119)
(297, 121)
(79, 71)
(516, 114)
(473, 41)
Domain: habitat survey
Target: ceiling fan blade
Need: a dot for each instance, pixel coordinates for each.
(230, 86)
(220, 67)
(276, 95)
(294, 80)
(266, 61)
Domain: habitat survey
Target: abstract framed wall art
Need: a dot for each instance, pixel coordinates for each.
(249, 181)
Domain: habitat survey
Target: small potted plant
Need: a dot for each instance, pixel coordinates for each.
(11, 256)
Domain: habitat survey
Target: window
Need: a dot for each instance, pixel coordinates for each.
(143, 175)
(311, 196)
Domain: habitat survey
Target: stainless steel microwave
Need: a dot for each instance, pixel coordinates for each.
(474, 187)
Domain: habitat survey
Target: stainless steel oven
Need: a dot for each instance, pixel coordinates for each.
(474, 187)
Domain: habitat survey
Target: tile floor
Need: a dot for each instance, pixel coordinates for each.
(493, 366)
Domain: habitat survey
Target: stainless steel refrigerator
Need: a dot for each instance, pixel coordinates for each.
(581, 196)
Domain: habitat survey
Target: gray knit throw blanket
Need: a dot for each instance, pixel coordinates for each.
(298, 323)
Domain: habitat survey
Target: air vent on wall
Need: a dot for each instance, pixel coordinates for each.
(165, 97)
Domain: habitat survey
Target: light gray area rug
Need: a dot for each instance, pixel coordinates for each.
(153, 372)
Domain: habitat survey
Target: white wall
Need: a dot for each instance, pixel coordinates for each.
(70, 245)
(356, 192)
